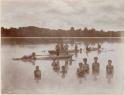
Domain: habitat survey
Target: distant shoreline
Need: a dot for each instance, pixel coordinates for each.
(32, 31)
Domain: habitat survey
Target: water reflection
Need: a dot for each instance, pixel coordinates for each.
(30, 61)
(64, 69)
(56, 66)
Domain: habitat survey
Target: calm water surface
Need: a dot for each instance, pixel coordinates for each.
(18, 76)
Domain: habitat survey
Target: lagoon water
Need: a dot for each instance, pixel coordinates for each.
(18, 76)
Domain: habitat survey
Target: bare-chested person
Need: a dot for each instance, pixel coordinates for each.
(95, 68)
(80, 70)
(109, 70)
(86, 66)
(37, 74)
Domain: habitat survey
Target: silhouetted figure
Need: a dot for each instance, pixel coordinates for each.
(80, 70)
(37, 74)
(86, 66)
(95, 68)
(109, 71)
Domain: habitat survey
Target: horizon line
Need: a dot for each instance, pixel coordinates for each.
(66, 28)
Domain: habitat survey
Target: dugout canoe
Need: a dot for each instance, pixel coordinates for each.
(51, 57)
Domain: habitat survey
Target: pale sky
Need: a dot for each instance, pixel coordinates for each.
(56, 14)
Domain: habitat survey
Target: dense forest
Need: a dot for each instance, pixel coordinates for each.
(32, 31)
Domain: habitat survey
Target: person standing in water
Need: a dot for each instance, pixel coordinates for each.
(86, 66)
(109, 70)
(95, 68)
(57, 49)
(37, 74)
(80, 70)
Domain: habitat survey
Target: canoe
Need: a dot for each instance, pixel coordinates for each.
(62, 52)
(45, 58)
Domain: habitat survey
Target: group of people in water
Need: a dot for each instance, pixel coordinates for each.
(92, 49)
(63, 48)
(82, 71)
(61, 69)
(60, 47)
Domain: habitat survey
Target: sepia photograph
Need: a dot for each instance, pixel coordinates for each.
(62, 47)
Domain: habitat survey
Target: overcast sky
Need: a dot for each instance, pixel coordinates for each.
(55, 14)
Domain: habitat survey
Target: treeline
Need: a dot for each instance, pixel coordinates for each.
(32, 31)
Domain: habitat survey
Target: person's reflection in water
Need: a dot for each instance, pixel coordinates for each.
(76, 47)
(63, 71)
(37, 74)
(80, 80)
(99, 52)
(109, 71)
(95, 68)
(80, 50)
(70, 61)
(76, 54)
(56, 66)
(87, 53)
(30, 61)
(33, 62)
(54, 61)
(66, 64)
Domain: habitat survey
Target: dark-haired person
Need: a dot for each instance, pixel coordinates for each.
(109, 70)
(37, 74)
(86, 66)
(80, 70)
(95, 66)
